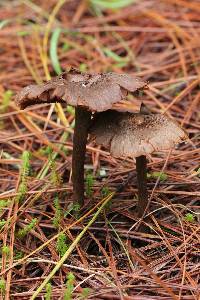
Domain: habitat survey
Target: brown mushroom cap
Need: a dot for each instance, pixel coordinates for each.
(96, 92)
(132, 135)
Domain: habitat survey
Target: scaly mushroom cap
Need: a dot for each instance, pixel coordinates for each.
(96, 92)
(132, 135)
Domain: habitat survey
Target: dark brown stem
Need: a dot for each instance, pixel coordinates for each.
(141, 168)
(82, 122)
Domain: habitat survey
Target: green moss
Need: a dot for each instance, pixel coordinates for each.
(156, 175)
(48, 292)
(62, 245)
(24, 231)
(69, 286)
(89, 184)
(6, 100)
(2, 286)
(189, 217)
(25, 170)
(58, 213)
(5, 250)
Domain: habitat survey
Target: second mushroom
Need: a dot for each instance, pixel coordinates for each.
(136, 135)
(87, 93)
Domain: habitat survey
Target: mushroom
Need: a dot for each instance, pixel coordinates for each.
(87, 93)
(136, 135)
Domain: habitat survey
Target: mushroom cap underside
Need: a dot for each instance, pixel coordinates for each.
(96, 92)
(132, 135)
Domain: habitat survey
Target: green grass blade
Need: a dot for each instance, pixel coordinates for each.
(111, 4)
(3, 23)
(53, 50)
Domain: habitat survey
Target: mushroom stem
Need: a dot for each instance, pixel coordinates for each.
(141, 168)
(82, 122)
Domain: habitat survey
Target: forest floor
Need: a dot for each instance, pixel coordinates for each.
(106, 254)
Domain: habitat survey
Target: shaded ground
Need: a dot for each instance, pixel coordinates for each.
(158, 40)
